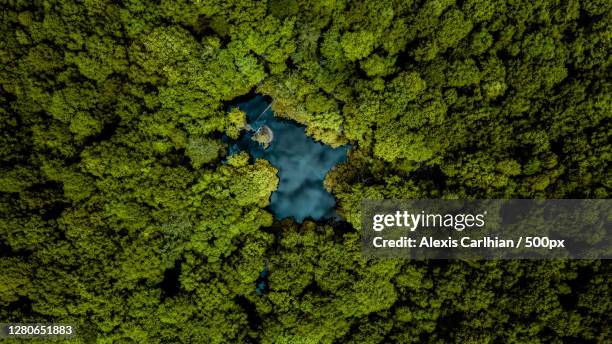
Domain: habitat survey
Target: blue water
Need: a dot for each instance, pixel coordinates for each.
(261, 284)
(302, 164)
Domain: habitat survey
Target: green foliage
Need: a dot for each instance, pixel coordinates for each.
(357, 45)
(202, 151)
(121, 212)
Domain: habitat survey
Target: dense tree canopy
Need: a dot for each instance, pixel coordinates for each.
(122, 212)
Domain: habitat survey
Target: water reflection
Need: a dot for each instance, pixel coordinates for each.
(302, 164)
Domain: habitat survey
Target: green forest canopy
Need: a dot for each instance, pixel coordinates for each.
(118, 216)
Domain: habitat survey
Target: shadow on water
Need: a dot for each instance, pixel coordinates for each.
(302, 163)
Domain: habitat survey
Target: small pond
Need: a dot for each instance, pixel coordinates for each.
(302, 163)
